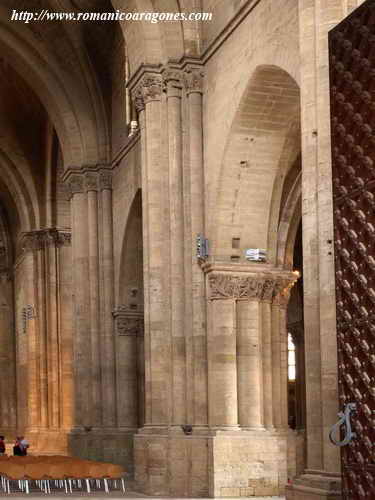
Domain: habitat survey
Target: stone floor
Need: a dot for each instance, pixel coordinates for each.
(114, 495)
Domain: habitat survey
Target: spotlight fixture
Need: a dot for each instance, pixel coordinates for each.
(188, 429)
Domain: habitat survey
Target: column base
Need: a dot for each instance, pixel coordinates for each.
(47, 441)
(209, 463)
(113, 445)
(315, 485)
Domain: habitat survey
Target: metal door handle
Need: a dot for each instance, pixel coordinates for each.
(344, 420)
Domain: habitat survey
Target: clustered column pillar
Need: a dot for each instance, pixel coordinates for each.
(175, 343)
(247, 364)
(94, 353)
(49, 333)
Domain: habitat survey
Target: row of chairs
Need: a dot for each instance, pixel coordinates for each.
(51, 473)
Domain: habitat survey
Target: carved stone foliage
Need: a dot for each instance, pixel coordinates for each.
(173, 81)
(36, 240)
(128, 322)
(229, 286)
(95, 178)
(149, 89)
(91, 181)
(105, 180)
(223, 286)
(193, 78)
(76, 184)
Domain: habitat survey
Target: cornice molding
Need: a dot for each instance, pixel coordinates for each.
(125, 150)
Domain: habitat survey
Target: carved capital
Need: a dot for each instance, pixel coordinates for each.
(263, 287)
(152, 88)
(138, 100)
(105, 180)
(228, 286)
(37, 240)
(91, 181)
(149, 89)
(282, 292)
(128, 322)
(173, 81)
(76, 184)
(193, 79)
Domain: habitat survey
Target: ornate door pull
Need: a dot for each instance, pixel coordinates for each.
(344, 420)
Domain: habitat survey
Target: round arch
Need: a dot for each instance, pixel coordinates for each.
(18, 194)
(151, 43)
(69, 98)
(262, 142)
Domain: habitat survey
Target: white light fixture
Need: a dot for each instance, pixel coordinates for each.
(256, 254)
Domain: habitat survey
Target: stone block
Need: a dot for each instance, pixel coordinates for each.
(246, 492)
(230, 492)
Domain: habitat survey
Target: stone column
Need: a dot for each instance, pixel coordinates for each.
(222, 355)
(267, 362)
(282, 299)
(175, 337)
(195, 224)
(276, 366)
(129, 327)
(249, 364)
(240, 299)
(280, 352)
(92, 187)
(45, 323)
(81, 301)
(148, 97)
(173, 86)
(107, 338)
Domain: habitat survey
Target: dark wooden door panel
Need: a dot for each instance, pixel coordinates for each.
(352, 88)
